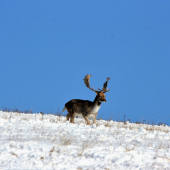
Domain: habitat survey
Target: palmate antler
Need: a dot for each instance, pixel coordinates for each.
(104, 89)
(87, 83)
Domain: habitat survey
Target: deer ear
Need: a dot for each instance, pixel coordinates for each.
(96, 92)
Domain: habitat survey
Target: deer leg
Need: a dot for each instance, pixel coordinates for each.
(94, 121)
(72, 119)
(68, 117)
(72, 116)
(87, 120)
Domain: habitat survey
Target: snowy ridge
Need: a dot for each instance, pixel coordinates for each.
(36, 141)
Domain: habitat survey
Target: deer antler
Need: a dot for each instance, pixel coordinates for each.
(105, 86)
(87, 83)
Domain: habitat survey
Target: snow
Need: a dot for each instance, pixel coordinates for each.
(36, 141)
(141, 129)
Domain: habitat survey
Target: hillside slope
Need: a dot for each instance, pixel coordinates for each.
(35, 141)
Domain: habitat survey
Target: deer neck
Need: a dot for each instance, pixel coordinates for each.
(96, 105)
(96, 101)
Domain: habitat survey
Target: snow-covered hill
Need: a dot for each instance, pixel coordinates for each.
(35, 141)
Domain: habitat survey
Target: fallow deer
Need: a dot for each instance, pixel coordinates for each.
(86, 108)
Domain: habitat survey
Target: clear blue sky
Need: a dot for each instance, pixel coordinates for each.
(47, 47)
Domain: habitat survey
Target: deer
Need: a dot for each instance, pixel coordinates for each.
(85, 108)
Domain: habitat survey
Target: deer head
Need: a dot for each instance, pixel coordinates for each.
(100, 92)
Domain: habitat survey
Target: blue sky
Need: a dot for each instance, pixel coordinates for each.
(47, 47)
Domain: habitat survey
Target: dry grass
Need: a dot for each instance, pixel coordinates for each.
(51, 151)
(134, 126)
(14, 154)
(85, 145)
(82, 149)
(52, 118)
(129, 148)
(66, 141)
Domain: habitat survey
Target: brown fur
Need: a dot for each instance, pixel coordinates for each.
(83, 107)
